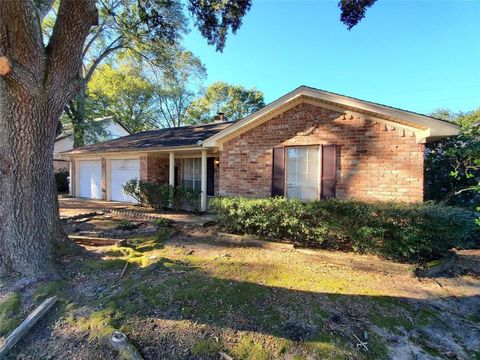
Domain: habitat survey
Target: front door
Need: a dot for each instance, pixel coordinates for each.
(210, 176)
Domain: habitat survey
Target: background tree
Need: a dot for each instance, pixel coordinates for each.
(175, 87)
(121, 92)
(39, 75)
(234, 101)
(452, 165)
(144, 30)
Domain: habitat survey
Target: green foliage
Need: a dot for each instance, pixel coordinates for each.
(233, 100)
(10, 308)
(160, 222)
(175, 87)
(122, 92)
(162, 196)
(127, 225)
(61, 179)
(409, 232)
(452, 165)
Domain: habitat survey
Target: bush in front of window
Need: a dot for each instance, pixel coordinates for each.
(406, 232)
(162, 196)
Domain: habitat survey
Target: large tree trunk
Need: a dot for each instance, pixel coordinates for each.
(36, 82)
(29, 210)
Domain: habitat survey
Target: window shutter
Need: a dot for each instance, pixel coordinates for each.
(328, 171)
(278, 171)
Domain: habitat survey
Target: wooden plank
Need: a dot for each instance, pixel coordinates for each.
(96, 241)
(26, 325)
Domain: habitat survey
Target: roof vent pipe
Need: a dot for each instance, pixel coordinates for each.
(220, 117)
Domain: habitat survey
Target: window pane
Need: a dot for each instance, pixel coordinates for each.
(302, 172)
(191, 173)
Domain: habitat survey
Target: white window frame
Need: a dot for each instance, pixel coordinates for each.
(318, 170)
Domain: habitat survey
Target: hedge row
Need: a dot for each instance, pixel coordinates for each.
(407, 232)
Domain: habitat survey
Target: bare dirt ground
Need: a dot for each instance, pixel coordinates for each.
(74, 206)
(192, 292)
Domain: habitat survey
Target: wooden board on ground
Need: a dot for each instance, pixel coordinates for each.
(97, 241)
(26, 325)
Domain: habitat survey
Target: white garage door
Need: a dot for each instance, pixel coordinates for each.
(121, 172)
(90, 173)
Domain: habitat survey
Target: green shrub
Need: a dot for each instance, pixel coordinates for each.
(61, 179)
(410, 232)
(127, 225)
(162, 196)
(160, 222)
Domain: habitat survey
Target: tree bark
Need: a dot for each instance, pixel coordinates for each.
(32, 96)
(78, 117)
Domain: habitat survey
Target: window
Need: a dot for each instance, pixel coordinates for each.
(302, 172)
(191, 174)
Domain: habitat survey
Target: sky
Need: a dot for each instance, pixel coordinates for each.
(415, 55)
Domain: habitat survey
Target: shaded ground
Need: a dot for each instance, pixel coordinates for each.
(191, 292)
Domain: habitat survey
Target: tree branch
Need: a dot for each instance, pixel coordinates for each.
(108, 50)
(91, 41)
(21, 44)
(43, 7)
(64, 50)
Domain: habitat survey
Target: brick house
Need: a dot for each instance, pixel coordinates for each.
(308, 144)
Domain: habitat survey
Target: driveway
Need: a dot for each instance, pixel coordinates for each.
(77, 206)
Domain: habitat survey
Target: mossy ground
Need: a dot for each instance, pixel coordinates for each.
(10, 313)
(196, 295)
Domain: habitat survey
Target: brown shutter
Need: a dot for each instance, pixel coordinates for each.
(278, 172)
(328, 171)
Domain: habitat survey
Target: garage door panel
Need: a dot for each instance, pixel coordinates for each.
(121, 172)
(90, 174)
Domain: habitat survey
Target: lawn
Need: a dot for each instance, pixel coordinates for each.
(193, 293)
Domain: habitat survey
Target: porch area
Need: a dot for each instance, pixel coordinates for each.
(103, 177)
(196, 170)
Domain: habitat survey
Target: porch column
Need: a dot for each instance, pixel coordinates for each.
(203, 196)
(171, 169)
(71, 178)
(171, 174)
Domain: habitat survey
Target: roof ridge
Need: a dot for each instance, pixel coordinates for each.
(375, 103)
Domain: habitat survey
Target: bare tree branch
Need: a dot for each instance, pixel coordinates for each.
(108, 50)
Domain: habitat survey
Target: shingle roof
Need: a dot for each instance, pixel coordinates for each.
(156, 139)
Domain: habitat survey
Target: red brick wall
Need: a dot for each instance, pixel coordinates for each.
(154, 169)
(374, 162)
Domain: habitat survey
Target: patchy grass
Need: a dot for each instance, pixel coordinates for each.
(206, 347)
(10, 313)
(48, 289)
(99, 324)
(198, 296)
(392, 323)
(247, 348)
